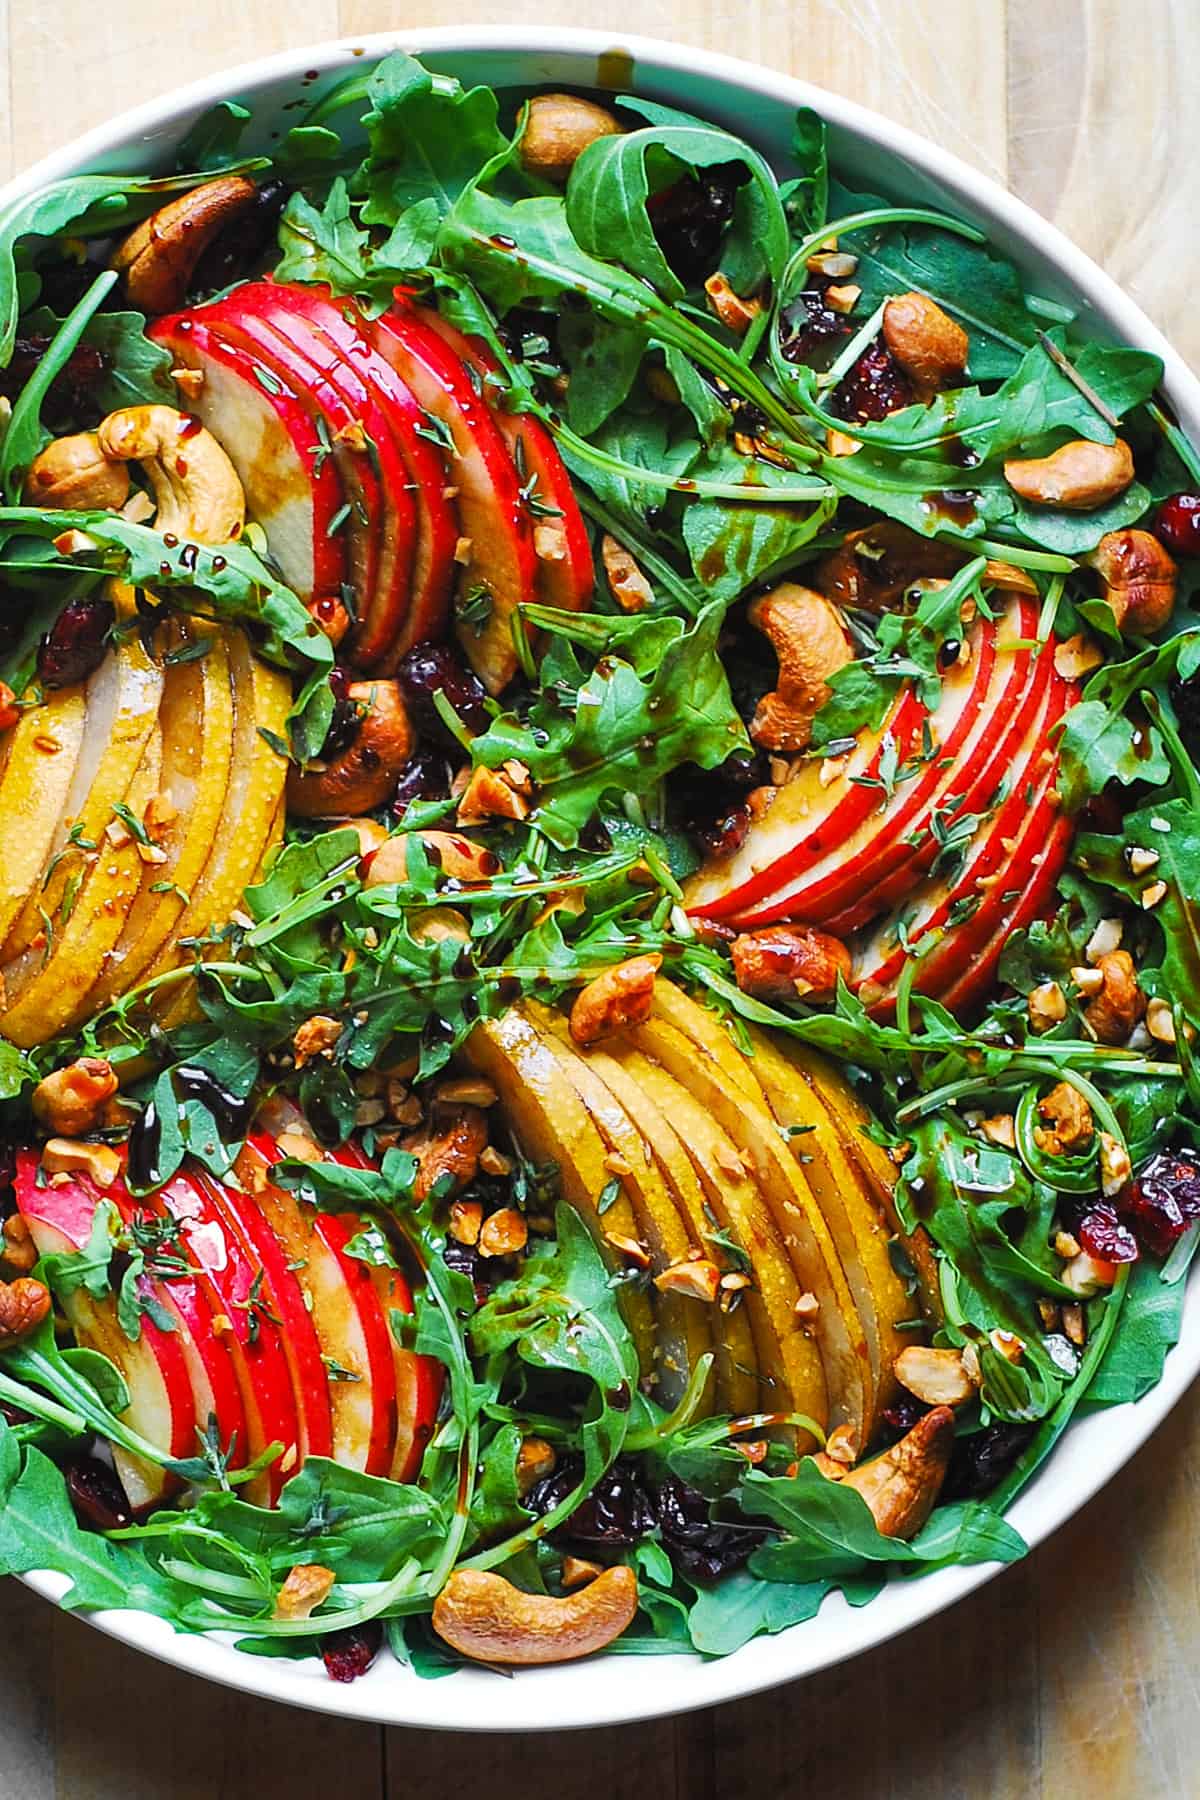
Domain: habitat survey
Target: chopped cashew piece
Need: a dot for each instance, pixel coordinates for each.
(1117, 1008)
(901, 1486)
(698, 1280)
(939, 1377)
(71, 1102)
(489, 1620)
(1068, 1121)
(64, 1156)
(1079, 476)
(306, 1586)
(364, 775)
(316, 1037)
(1047, 1006)
(928, 344)
(1115, 1166)
(197, 495)
(631, 591)
(1140, 579)
(1107, 936)
(535, 1460)
(620, 997)
(809, 638)
(504, 1233)
(488, 795)
(1077, 656)
(158, 258)
(734, 312)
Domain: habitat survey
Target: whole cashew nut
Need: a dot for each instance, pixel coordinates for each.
(811, 642)
(458, 857)
(558, 129)
(1078, 476)
(159, 257)
(1139, 577)
(929, 345)
(486, 1618)
(901, 1486)
(197, 493)
(73, 475)
(365, 774)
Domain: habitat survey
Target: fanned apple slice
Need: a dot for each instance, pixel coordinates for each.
(682, 1329)
(161, 1408)
(47, 989)
(552, 1125)
(789, 1365)
(232, 1281)
(122, 700)
(836, 1325)
(733, 1340)
(261, 700)
(197, 728)
(496, 553)
(811, 815)
(1052, 833)
(414, 604)
(293, 489)
(565, 572)
(42, 750)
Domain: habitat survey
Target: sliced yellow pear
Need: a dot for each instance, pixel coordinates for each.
(735, 1367)
(197, 728)
(122, 703)
(261, 700)
(552, 1125)
(744, 1118)
(788, 1361)
(42, 751)
(47, 989)
(682, 1328)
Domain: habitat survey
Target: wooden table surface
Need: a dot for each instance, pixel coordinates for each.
(1077, 1672)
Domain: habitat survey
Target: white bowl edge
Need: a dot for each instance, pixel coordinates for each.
(618, 1689)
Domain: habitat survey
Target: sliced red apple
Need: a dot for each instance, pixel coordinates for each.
(233, 1281)
(161, 1410)
(1036, 902)
(496, 552)
(292, 485)
(566, 575)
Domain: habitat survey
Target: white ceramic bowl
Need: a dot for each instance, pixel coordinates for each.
(880, 157)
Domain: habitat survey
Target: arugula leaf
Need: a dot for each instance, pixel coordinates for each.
(658, 697)
(742, 1606)
(426, 144)
(1151, 1320)
(135, 370)
(323, 243)
(806, 197)
(211, 143)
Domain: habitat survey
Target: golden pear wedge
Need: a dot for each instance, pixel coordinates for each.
(683, 1330)
(800, 1224)
(42, 751)
(552, 1125)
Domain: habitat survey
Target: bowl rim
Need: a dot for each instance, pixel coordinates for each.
(607, 1691)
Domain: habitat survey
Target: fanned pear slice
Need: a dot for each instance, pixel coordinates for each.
(798, 1219)
(735, 1369)
(789, 1364)
(842, 1194)
(836, 1185)
(261, 699)
(682, 1329)
(552, 1125)
(48, 989)
(197, 728)
(42, 751)
(122, 702)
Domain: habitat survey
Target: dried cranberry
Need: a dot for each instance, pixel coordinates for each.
(980, 1461)
(1163, 1199)
(1178, 524)
(425, 776)
(726, 833)
(8, 1171)
(430, 669)
(700, 1546)
(874, 387)
(71, 388)
(99, 1500)
(618, 1510)
(899, 1419)
(346, 720)
(76, 643)
(1102, 1234)
(811, 328)
(239, 250)
(690, 218)
(712, 801)
(350, 1653)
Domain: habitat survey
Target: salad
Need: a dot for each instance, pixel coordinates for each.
(599, 837)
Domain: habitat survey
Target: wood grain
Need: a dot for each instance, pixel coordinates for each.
(1075, 1674)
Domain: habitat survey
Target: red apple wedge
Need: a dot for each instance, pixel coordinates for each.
(565, 572)
(292, 485)
(496, 552)
(161, 1408)
(1036, 902)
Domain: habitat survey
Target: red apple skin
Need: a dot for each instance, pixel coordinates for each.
(336, 1230)
(383, 641)
(301, 1349)
(493, 520)
(418, 1378)
(359, 1413)
(1038, 901)
(215, 1392)
(161, 1407)
(565, 579)
(292, 490)
(330, 340)
(232, 322)
(227, 1274)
